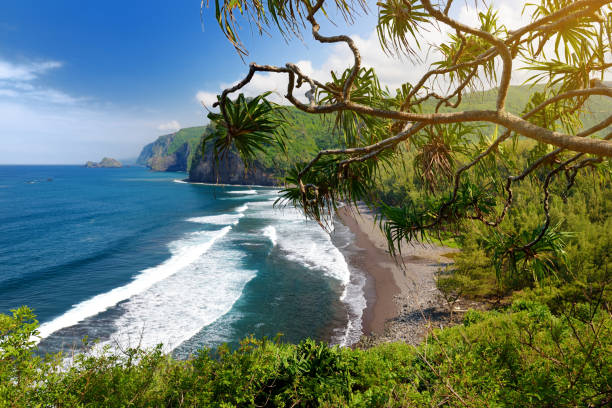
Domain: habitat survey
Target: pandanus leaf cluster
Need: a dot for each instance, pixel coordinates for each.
(465, 158)
(247, 125)
(514, 258)
(417, 220)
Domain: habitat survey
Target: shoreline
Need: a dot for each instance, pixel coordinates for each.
(201, 183)
(402, 300)
(380, 288)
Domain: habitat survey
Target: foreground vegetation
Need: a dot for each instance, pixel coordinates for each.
(524, 356)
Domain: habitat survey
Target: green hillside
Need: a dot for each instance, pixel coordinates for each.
(172, 152)
(306, 133)
(596, 109)
(191, 136)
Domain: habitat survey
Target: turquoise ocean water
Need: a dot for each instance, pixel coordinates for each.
(132, 257)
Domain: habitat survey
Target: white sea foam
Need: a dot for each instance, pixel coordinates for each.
(270, 232)
(222, 219)
(184, 252)
(242, 192)
(318, 253)
(305, 242)
(177, 308)
(180, 181)
(267, 203)
(173, 301)
(354, 297)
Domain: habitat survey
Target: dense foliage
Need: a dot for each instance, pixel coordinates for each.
(576, 249)
(526, 356)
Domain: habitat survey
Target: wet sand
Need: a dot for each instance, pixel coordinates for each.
(402, 299)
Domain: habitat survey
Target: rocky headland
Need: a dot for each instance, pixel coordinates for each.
(172, 152)
(181, 152)
(230, 170)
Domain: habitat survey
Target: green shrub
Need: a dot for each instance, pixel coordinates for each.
(527, 356)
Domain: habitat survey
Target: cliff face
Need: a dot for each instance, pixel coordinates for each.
(181, 151)
(231, 170)
(177, 161)
(145, 154)
(172, 152)
(156, 155)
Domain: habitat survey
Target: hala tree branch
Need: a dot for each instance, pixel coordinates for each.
(458, 92)
(501, 117)
(500, 46)
(546, 25)
(339, 38)
(546, 204)
(462, 65)
(544, 159)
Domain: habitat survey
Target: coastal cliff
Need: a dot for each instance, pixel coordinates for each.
(157, 157)
(181, 151)
(172, 152)
(231, 170)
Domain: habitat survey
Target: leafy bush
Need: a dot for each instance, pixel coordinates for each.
(525, 356)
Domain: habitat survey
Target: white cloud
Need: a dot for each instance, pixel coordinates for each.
(206, 98)
(37, 94)
(39, 124)
(17, 81)
(25, 72)
(9, 92)
(47, 133)
(171, 126)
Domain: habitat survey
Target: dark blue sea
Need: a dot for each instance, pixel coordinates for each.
(133, 257)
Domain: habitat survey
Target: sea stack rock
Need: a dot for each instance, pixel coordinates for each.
(106, 162)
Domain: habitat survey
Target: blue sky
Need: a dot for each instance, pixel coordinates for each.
(81, 80)
(128, 71)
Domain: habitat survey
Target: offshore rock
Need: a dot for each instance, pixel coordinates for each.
(106, 162)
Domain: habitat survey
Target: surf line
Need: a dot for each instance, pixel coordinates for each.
(180, 258)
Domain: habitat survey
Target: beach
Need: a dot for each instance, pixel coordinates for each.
(402, 298)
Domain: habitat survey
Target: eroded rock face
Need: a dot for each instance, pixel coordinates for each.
(159, 156)
(162, 155)
(177, 161)
(106, 162)
(231, 170)
(155, 155)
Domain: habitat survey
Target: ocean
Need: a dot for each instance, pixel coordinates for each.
(137, 258)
